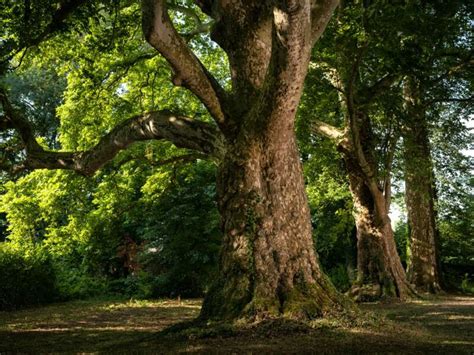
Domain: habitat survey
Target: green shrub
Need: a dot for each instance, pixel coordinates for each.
(180, 229)
(74, 283)
(340, 277)
(26, 278)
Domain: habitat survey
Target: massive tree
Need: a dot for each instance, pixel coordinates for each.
(268, 266)
(379, 269)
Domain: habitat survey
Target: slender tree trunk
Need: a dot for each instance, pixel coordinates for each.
(423, 262)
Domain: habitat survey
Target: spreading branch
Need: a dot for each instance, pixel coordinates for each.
(183, 132)
(189, 71)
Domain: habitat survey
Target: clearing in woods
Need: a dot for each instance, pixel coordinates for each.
(443, 324)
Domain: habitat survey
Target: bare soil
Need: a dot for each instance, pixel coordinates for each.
(435, 325)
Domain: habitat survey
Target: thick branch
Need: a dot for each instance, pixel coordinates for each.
(355, 120)
(291, 49)
(324, 129)
(181, 131)
(189, 71)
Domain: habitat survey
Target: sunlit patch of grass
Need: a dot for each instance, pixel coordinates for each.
(91, 325)
(439, 324)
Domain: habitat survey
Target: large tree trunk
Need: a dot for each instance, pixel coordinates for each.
(423, 261)
(268, 266)
(380, 273)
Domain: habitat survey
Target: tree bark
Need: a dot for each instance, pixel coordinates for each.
(423, 261)
(268, 265)
(380, 273)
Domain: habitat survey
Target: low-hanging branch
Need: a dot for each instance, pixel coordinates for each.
(183, 132)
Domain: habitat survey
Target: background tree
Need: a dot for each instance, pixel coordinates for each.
(355, 67)
(435, 58)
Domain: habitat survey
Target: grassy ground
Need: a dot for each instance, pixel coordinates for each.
(437, 325)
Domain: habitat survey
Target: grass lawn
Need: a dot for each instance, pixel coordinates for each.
(443, 324)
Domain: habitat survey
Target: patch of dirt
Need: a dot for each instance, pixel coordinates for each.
(443, 324)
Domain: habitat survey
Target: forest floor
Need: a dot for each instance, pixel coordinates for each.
(443, 324)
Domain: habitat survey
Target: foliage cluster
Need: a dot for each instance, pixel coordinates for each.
(26, 278)
(140, 234)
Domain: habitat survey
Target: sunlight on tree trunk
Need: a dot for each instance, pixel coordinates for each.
(423, 261)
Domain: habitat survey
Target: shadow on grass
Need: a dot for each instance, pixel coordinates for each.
(170, 326)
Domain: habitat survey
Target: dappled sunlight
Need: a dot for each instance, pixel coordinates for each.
(120, 316)
(442, 324)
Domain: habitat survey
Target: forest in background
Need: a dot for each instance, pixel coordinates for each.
(147, 223)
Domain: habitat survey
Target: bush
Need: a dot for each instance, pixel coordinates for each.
(74, 283)
(26, 278)
(340, 277)
(180, 229)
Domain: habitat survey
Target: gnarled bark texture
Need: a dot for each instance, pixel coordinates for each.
(380, 273)
(423, 263)
(268, 264)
